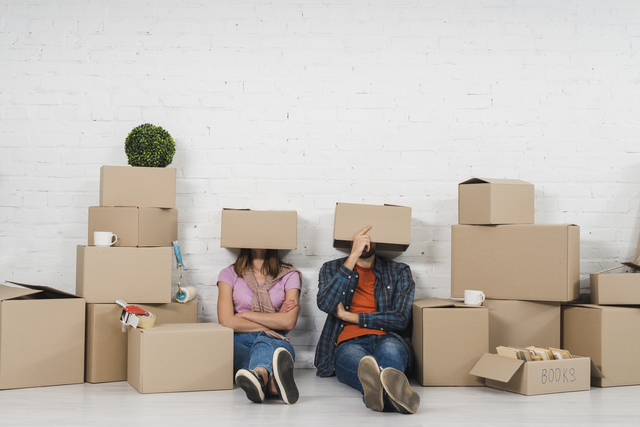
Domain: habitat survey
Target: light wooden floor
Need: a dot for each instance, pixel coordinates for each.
(323, 402)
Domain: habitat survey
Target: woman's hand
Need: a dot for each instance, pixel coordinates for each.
(288, 305)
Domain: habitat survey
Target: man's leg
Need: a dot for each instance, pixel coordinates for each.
(391, 353)
(346, 359)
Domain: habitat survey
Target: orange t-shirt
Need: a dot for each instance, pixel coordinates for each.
(364, 301)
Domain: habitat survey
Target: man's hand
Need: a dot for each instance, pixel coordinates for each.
(345, 315)
(361, 243)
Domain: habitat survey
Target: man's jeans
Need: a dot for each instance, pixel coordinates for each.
(253, 349)
(387, 349)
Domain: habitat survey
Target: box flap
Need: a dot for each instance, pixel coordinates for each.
(441, 303)
(610, 269)
(495, 181)
(9, 292)
(595, 372)
(496, 367)
(42, 288)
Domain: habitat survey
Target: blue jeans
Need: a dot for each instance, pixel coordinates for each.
(387, 349)
(253, 349)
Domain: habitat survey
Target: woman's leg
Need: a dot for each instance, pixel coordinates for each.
(242, 343)
(262, 351)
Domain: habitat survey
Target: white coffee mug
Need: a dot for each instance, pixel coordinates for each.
(104, 238)
(473, 297)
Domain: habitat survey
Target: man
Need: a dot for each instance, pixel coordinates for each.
(368, 301)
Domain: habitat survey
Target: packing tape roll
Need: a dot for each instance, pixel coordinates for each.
(186, 294)
(146, 322)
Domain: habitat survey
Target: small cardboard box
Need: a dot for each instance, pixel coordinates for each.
(181, 357)
(610, 336)
(521, 323)
(484, 201)
(619, 288)
(531, 378)
(448, 339)
(518, 262)
(135, 226)
(135, 275)
(391, 225)
(244, 228)
(106, 355)
(137, 186)
(41, 337)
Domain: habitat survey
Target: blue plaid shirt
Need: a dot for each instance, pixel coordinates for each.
(393, 290)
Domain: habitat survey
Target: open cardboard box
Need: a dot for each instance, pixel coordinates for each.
(391, 225)
(609, 335)
(245, 228)
(135, 275)
(41, 337)
(137, 186)
(485, 201)
(448, 339)
(517, 262)
(531, 378)
(520, 323)
(106, 354)
(180, 357)
(619, 288)
(135, 226)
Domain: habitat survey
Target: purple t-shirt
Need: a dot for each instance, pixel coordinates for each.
(243, 294)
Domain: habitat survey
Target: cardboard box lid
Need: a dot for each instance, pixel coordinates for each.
(495, 181)
(8, 292)
(495, 367)
(442, 303)
(246, 228)
(391, 225)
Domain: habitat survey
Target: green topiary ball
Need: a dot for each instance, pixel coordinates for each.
(150, 146)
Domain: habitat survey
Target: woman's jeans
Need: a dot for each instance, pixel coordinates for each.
(387, 349)
(253, 349)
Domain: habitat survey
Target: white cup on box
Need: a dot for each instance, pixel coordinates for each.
(473, 297)
(104, 238)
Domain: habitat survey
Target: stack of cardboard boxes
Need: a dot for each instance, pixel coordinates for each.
(525, 270)
(138, 205)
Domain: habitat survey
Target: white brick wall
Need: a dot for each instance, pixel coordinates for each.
(299, 104)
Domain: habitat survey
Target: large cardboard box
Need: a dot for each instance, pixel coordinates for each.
(523, 323)
(135, 275)
(519, 262)
(137, 186)
(244, 228)
(106, 343)
(41, 337)
(135, 226)
(531, 378)
(610, 336)
(448, 339)
(391, 225)
(485, 201)
(615, 288)
(181, 357)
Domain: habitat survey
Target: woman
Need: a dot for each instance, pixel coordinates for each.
(258, 298)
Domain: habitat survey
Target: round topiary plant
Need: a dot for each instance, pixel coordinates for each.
(150, 146)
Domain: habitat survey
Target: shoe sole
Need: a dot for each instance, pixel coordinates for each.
(251, 386)
(369, 376)
(397, 387)
(283, 375)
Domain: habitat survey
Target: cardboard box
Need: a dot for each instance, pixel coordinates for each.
(181, 357)
(135, 226)
(518, 262)
(135, 275)
(106, 343)
(244, 228)
(391, 225)
(448, 339)
(41, 337)
(523, 323)
(531, 378)
(137, 186)
(609, 335)
(619, 288)
(483, 201)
